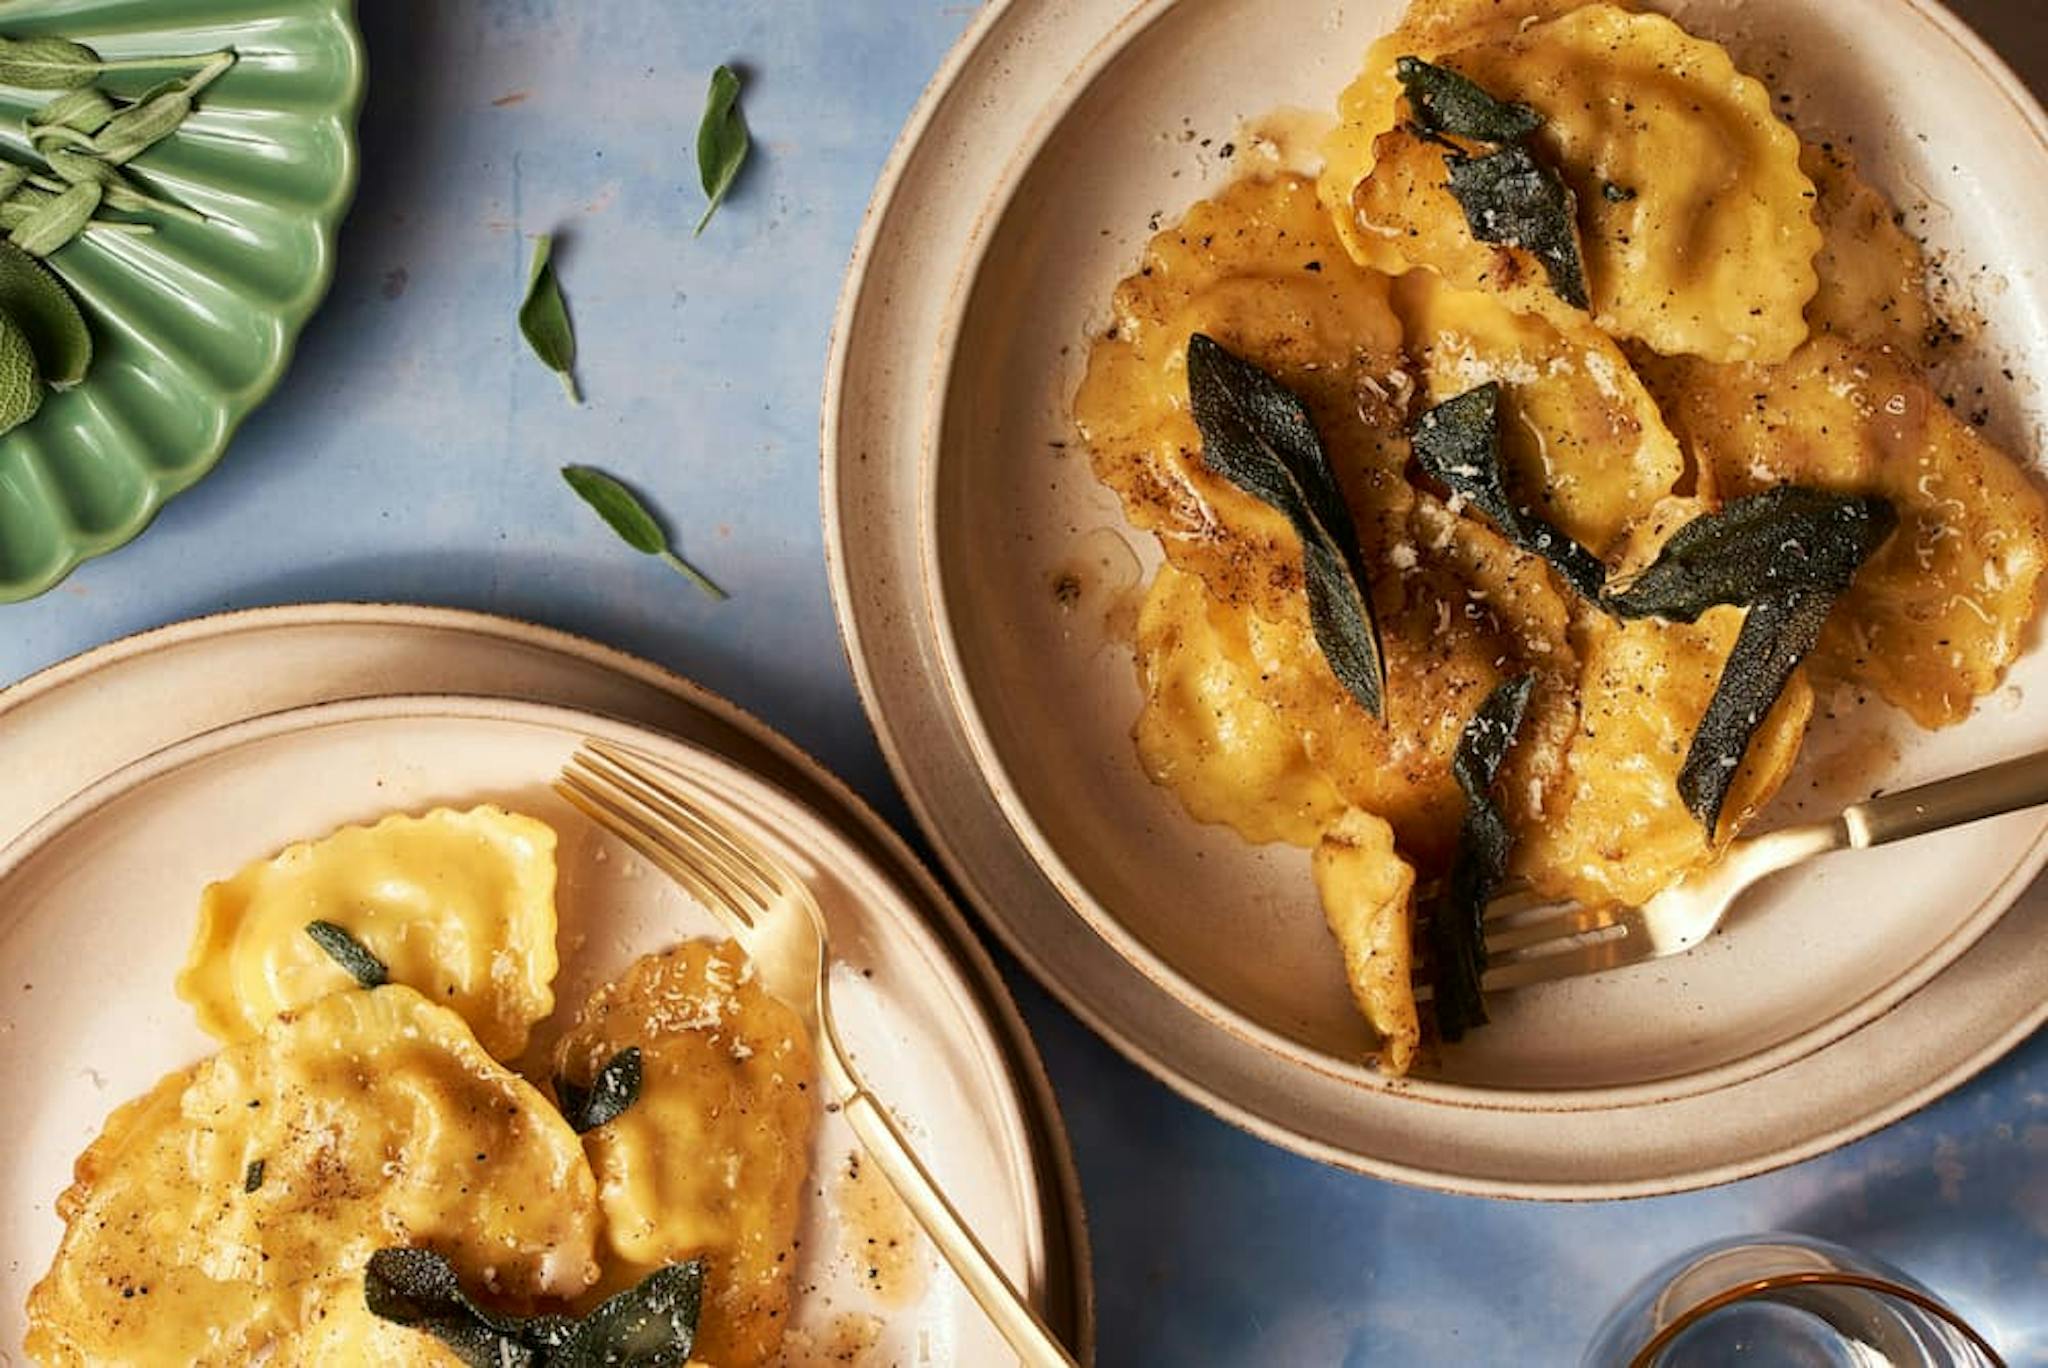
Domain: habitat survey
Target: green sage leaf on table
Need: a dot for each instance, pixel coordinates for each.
(1458, 444)
(1777, 633)
(47, 315)
(1457, 917)
(544, 318)
(21, 385)
(652, 1324)
(56, 222)
(1259, 435)
(616, 1088)
(722, 140)
(1511, 198)
(81, 111)
(350, 953)
(1759, 546)
(1442, 101)
(631, 519)
(47, 63)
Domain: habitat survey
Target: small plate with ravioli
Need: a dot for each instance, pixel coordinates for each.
(351, 979)
(1688, 254)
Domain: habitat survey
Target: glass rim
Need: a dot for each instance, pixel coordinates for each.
(1646, 1356)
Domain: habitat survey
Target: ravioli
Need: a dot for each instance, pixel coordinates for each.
(1696, 222)
(377, 1120)
(1623, 834)
(1206, 731)
(712, 1158)
(1368, 894)
(1581, 436)
(1258, 269)
(1872, 274)
(1936, 616)
(459, 905)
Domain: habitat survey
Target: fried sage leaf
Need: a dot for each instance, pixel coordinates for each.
(1511, 198)
(350, 953)
(1257, 434)
(650, 1325)
(1442, 101)
(616, 1087)
(1758, 547)
(1775, 637)
(1458, 444)
(1457, 918)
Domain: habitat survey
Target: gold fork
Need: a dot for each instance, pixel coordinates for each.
(1531, 939)
(776, 920)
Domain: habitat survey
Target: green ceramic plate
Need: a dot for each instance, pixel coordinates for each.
(194, 324)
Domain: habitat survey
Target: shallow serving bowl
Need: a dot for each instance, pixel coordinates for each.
(958, 497)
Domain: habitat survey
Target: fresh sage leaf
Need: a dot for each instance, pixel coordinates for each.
(252, 1176)
(1776, 635)
(1258, 434)
(161, 112)
(1458, 444)
(13, 176)
(21, 384)
(1511, 198)
(722, 141)
(1760, 546)
(1442, 101)
(418, 1289)
(47, 315)
(1457, 916)
(544, 318)
(81, 111)
(350, 953)
(59, 220)
(635, 525)
(75, 168)
(616, 1087)
(47, 63)
(650, 1325)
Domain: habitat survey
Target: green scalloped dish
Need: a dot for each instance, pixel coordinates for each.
(195, 323)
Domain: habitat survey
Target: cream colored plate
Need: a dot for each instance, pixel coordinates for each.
(955, 496)
(934, 1010)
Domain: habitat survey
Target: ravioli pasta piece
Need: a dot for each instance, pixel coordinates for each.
(1872, 274)
(1258, 269)
(1623, 833)
(1368, 895)
(1707, 247)
(1581, 436)
(378, 1121)
(1935, 617)
(712, 1158)
(1466, 611)
(1207, 733)
(1371, 104)
(460, 905)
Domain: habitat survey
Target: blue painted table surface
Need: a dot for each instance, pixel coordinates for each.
(411, 455)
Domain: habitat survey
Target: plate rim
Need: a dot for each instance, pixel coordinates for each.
(283, 725)
(77, 548)
(933, 637)
(1070, 1285)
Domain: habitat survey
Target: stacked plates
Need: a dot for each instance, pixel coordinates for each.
(962, 520)
(145, 769)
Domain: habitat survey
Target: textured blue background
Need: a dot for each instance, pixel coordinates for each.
(412, 455)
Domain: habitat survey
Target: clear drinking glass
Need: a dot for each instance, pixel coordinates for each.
(1784, 1301)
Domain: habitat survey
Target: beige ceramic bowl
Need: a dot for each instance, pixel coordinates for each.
(956, 496)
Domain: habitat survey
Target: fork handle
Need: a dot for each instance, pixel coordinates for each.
(1990, 792)
(1011, 1314)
